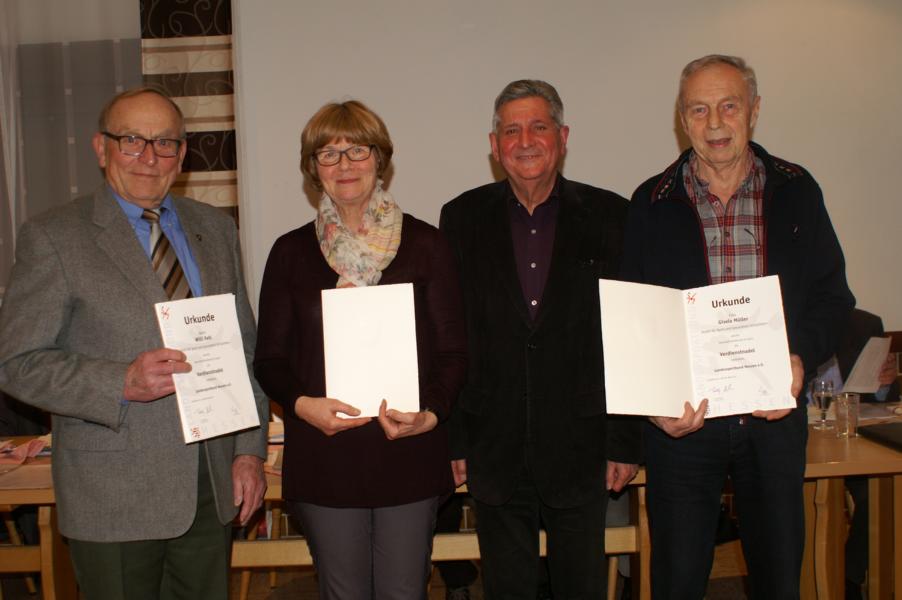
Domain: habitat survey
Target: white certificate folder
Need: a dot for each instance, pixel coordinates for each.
(664, 347)
(370, 347)
(215, 397)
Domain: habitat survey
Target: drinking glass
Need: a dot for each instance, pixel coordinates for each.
(846, 406)
(822, 394)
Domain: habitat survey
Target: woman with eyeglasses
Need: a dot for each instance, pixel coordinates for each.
(364, 490)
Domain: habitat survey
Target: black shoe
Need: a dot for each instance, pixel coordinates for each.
(853, 590)
(627, 592)
(544, 592)
(460, 593)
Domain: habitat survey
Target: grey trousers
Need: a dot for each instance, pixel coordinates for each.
(378, 553)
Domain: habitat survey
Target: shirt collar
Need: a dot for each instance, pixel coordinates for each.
(133, 212)
(551, 201)
(701, 186)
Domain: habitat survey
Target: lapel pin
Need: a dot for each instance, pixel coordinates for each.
(199, 237)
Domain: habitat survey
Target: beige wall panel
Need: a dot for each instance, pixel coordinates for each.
(209, 124)
(217, 188)
(219, 107)
(159, 62)
(212, 41)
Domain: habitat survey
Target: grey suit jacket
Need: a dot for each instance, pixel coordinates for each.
(78, 310)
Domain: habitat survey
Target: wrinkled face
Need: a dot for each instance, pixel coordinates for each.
(528, 143)
(718, 115)
(349, 183)
(142, 180)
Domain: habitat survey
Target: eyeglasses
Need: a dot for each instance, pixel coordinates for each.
(133, 145)
(329, 157)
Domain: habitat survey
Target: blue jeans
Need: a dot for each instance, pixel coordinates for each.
(766, 463)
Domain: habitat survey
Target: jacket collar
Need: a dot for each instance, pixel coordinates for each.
(118, 241)
(670, 183)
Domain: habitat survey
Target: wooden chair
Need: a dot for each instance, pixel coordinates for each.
(294, 552)
(275, 533)
(16, 540)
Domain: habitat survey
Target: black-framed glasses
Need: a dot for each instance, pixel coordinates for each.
(133, 145)
(329, 157)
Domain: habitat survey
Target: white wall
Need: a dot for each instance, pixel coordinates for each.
(828, 70)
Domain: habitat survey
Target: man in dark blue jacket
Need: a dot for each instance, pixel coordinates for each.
(727, 210)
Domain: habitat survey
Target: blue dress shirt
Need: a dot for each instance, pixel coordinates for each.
(172, 229)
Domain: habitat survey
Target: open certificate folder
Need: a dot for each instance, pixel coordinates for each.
(664, 347)
(370, 347)
(215, 397)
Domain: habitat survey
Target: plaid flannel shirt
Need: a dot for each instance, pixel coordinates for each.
(734, 234)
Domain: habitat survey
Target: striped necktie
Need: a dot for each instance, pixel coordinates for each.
(164, 260)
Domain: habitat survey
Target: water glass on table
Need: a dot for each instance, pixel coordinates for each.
(846, 408)
(822, 394)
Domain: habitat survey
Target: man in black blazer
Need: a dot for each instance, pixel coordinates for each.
(530, 435)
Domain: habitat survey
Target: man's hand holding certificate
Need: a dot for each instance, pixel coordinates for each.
(725, 343)
(216, 397)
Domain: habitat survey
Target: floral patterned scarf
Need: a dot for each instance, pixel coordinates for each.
(360, 259)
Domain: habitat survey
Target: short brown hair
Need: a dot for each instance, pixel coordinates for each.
(351, 121)
(103, 120)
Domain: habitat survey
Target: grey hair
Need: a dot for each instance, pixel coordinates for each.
(748, 73)
(530, 88)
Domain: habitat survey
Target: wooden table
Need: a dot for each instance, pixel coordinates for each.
(31, 484)
(829, 460)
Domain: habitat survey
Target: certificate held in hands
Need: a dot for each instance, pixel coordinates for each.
(215, 397)
(370, 347)
(665, 347)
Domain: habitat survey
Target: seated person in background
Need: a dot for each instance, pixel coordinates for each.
(861, 327)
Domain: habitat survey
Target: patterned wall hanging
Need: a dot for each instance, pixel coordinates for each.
(186, 49)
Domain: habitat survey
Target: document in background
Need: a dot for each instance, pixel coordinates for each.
(866, 371)
(664, 347)
(216, 397)
(370, 347)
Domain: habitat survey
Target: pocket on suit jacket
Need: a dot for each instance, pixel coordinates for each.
(472, 399)
(589, 404)
(90, 437)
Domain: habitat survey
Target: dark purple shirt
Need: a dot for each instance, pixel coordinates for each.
(533, 237)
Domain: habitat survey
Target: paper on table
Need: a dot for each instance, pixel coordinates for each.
(664, 347)
(370, 347)
(864, 376)
(216, 397)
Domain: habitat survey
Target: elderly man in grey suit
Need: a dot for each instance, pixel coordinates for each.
(147, 515)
